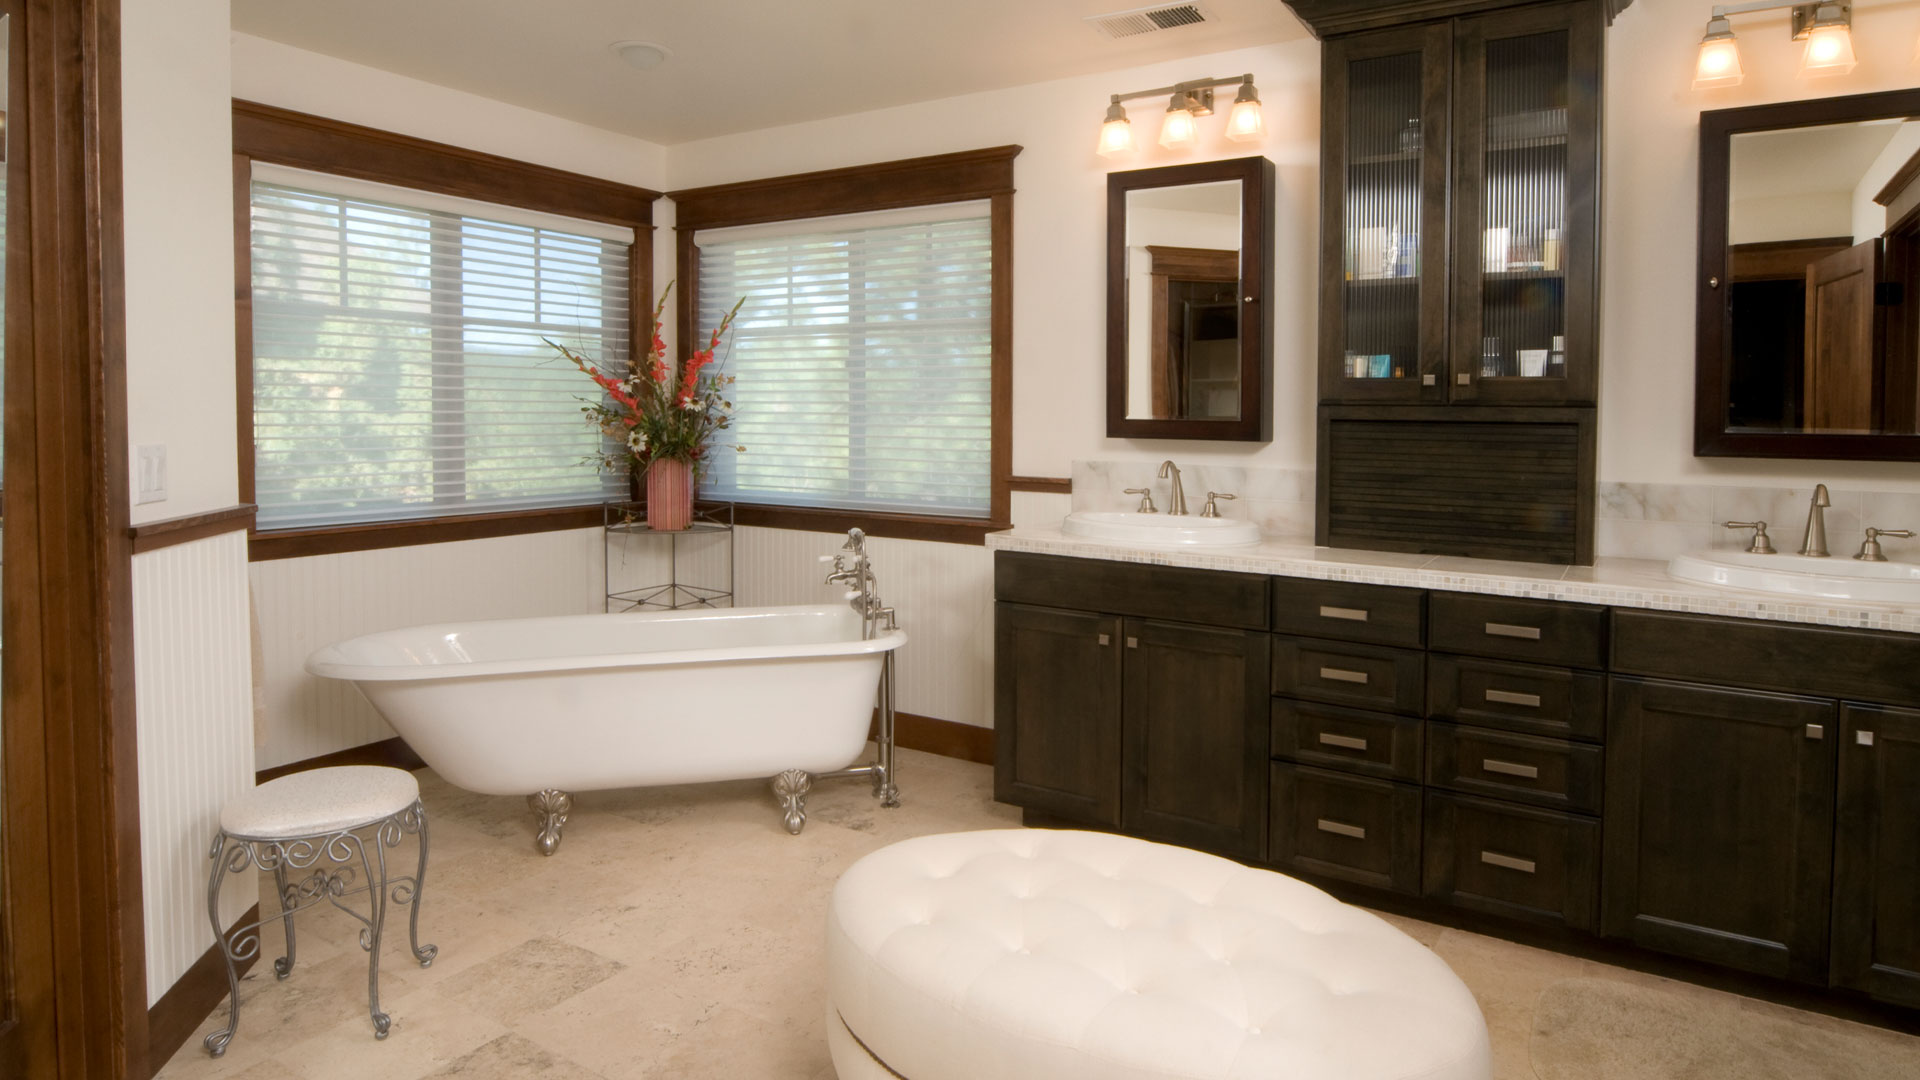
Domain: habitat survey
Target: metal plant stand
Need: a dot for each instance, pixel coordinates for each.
(332, 858)
(626, 520)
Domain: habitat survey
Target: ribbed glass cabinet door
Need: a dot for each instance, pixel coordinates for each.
(1526, 124)
(1383, 334)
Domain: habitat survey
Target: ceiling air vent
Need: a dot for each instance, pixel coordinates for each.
(1123, 24)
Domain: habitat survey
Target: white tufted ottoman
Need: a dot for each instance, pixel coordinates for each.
(1030, 953)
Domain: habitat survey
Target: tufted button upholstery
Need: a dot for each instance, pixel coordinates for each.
(1038, 953)
(319, 801)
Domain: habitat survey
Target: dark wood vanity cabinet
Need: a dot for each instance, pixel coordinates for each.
(1148, 715)
(1876, 858)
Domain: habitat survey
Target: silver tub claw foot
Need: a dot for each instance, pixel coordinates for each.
(791, 789)
(550, 808)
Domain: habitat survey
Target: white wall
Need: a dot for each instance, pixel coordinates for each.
(1650, 204)
(192, 692)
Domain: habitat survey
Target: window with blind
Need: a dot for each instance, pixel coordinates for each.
(863, 354)
(398, 367)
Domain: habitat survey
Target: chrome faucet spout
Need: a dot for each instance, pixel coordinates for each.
(1177, 500)
(1815, 541)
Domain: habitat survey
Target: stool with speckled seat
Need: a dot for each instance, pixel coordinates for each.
(336, 823)
(1030, 953)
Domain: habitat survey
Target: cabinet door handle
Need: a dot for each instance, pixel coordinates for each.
(1351, 614)
(1507, 862)
(1344, 742)
(1341, 828)
(1334, 674)
(1105, 640)
(1816, 731)
(1499, 629)
(1511, 697)
(1864, 738)
(1510, 768)
(1133, 643)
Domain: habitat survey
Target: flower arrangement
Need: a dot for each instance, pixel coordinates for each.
(656, 413)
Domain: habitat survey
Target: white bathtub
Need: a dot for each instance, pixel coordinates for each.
(589, 702)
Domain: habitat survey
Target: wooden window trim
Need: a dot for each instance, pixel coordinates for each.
(892, 185)
(301, 140)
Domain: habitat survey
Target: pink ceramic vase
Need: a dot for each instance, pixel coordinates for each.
(669, 494)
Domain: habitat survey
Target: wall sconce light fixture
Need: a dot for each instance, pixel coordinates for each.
(1826, 27)
(1186, 103)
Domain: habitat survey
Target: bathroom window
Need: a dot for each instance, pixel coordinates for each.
(864, 359)
(399, 370)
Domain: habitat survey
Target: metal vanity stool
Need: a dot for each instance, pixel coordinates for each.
(335, 826)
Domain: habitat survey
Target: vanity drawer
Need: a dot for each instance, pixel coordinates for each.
(1511, 860)
(1369, 743)
(1178, 594)
(1347, 611)
(1354, 828)
(1340, 673)
(1544, 631)
(1518, 697)
(1527, 768)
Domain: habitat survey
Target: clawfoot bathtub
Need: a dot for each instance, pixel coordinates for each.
(548, 707)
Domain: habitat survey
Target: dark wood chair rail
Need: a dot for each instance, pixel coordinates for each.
(167, 532)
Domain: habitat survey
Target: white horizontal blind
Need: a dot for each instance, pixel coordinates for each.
(398, 367)
(864, 361)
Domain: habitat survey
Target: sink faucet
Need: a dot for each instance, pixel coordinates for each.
(1870, 550)
(1815, 543)
(1177, 502)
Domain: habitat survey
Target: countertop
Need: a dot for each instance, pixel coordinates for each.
(1626, 583)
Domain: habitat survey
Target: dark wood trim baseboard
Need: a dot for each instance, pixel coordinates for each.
(933, 735)
(874, 523)
(165, 533)
(305, 141)
(886, 185)
(173, 1019)
(393, 753)
(264, 546)
(1051, 485)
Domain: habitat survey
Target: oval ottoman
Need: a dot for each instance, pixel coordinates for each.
(1030, 953)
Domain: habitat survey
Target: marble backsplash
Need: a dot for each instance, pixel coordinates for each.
(1634, 521)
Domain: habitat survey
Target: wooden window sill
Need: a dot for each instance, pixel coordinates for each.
(265, 545)
(946, 530)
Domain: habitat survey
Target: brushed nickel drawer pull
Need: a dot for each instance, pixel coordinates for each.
(1511, 697)
(1498, 629)
(1105, 640)
(1507, 862)
(1351, 614)
(1864, 738)
(1510, 768)
(1133, 642)
(1344, 742)
(1341, 828)
(1334, 674)
(1816, 731)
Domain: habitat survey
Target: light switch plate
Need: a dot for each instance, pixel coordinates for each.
(150, 486)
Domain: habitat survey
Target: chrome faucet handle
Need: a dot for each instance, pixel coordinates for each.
(1761, 544)
(1146, 500)
(1870, 548)
(1211, 510)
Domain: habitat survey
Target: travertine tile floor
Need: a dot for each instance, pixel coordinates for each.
(677, 933)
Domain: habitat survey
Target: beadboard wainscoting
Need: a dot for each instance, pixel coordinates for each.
(943, 593)
(193, 697)
(306, 603)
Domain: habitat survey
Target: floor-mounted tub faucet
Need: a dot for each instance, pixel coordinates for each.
(1177, 501)
(1815, 543)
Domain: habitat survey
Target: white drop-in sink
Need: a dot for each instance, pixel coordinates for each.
(1163, 530)
(1836, 577)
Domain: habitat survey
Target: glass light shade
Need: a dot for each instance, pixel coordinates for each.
(1829, 51)
(1718, 65)
(1244, 123)
(1178, 131)
(1116, 137)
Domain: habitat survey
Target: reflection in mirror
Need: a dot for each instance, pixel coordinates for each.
(1823, 263)
(1183, 309)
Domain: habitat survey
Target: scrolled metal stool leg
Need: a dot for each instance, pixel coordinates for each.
(550, 808)
(216, 1042)
(283, 967)
(422, 953)
(370, 936)
(791, 789)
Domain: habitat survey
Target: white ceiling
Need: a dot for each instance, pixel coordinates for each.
(740, 65)
(1826, 160)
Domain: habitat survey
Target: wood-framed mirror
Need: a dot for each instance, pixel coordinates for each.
(1189, 341)
(1808, 314)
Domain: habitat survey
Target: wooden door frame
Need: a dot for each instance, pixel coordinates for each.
(72, 799)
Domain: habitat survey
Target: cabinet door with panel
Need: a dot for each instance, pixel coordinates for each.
(1526, 170)
(1876, 859)
(1196, 728)
(1718, 828)
(1057, 712)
